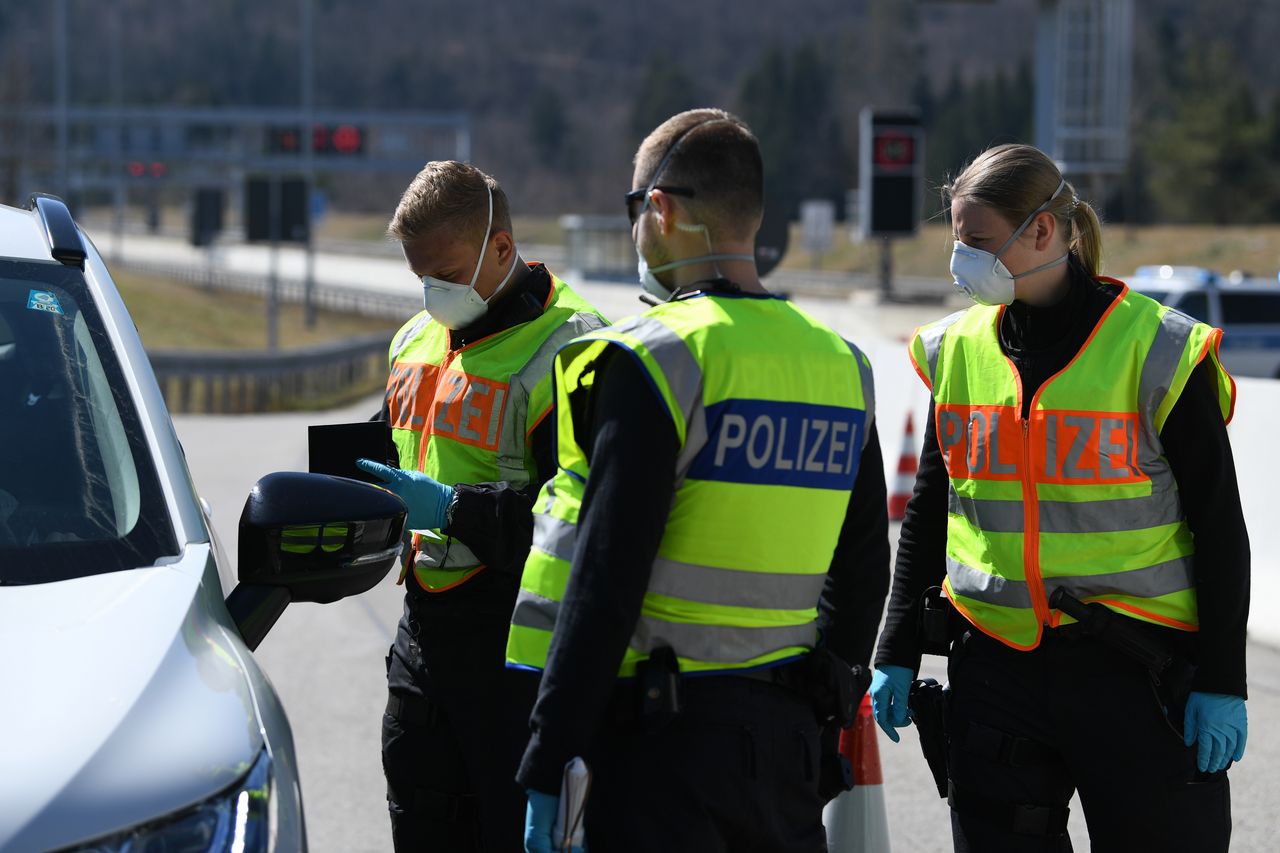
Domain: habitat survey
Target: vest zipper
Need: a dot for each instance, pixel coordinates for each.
(435, 390)
(422, 442)
(1031, 522)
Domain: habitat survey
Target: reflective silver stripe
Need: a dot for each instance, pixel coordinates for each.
(735, 588)
(983, 586)
(695, 439)
(407, 334)
(1160, 366)
(1110, 516)
(534, 611)
(1160, 579)
(554, 536)
(512, 441)
(719, 643)
(868, 389)
(447, 554)
(679, 366)
(931, 337)
(988, 515)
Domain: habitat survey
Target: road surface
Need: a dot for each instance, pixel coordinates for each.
(327, 661)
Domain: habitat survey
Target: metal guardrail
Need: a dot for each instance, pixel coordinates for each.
(246, 381)
(350, 300)
(240, 382)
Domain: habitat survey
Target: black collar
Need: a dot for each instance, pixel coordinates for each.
(522, 301)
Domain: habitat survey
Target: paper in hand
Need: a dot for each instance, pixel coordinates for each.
(568, 830)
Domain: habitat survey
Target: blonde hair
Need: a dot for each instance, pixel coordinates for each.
(450, 195)
(1014, 180)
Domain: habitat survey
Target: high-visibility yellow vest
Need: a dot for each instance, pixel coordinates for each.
(771, 410)
(1079, 495)
(464, 415)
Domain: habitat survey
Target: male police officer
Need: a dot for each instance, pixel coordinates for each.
(719, 474)
(467, 401)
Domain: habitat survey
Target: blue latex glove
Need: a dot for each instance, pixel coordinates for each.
(427, 500)
(1220, 725)
(890, 688)
(539, 817)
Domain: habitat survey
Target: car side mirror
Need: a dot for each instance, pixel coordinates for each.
(310, 537)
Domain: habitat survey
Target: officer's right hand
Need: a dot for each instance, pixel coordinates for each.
(426, 499)
(539, 817)
(890, 689)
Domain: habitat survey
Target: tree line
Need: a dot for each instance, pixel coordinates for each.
(560, 92)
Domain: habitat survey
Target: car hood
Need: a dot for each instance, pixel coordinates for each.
(122, 699)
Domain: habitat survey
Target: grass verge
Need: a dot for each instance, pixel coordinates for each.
(173, 315)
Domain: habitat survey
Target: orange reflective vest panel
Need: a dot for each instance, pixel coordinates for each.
(1077, 495)
(465, 415)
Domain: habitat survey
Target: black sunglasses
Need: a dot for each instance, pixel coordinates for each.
(633, 209)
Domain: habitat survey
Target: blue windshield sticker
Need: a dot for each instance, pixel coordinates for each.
(43, 300)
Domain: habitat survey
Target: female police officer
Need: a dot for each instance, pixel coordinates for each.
(1076, 445)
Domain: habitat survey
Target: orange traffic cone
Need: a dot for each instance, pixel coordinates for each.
(906, 479)
(856, 821)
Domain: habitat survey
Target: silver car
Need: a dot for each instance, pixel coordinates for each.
(133, 716)
(1246, 308)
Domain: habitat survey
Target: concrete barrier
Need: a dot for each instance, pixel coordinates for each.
(1258, 467)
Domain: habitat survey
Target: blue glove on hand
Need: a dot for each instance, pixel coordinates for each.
(890, 688)
(427, 500)
(1221, 726)
(539, 817)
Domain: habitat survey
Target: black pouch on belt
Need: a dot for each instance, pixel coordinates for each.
(658, 679)
(927, 701)
(834, 687)
(937, 618)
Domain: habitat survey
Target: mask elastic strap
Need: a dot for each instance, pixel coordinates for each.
(1039, 210)
(1053, 263)
(506, 278)
(684, 262)
(666, 158)
(475, 276)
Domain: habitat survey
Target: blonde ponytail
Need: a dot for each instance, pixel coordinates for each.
(1015, 180)
(1086, 237)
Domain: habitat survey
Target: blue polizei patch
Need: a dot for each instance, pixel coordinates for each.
(43, 300)
(770, 443)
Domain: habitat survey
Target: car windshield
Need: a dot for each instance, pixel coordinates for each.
(78, 490)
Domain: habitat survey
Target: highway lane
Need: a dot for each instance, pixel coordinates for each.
(327, 664)
(326, 661)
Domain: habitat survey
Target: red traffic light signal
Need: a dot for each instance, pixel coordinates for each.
(347, 139)
(340, 139)
(893, 150)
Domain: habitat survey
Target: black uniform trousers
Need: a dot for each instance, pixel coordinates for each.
(457, 722)
(1030, 728)
(736, 770)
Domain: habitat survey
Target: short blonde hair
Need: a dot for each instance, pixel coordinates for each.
(1014, 180)
(450, 195)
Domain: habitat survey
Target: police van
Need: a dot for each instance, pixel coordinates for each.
(1247, 309)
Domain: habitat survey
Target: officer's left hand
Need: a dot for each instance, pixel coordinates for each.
(1220, 725)
(890, 690)
(427, 499)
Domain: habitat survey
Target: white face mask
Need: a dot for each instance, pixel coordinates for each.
(648, 278)
(454, 305)
(983, 276)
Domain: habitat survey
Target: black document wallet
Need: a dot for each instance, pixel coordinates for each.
(334, 448)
